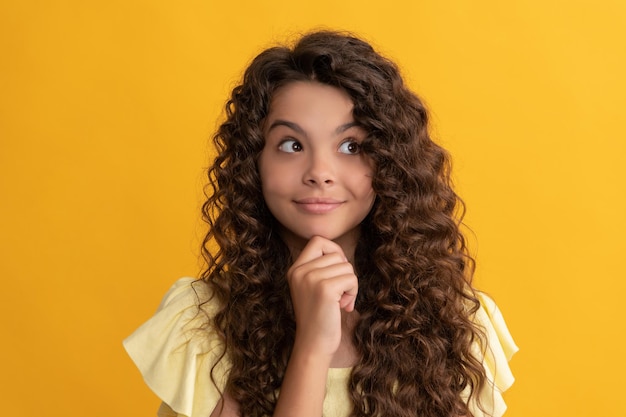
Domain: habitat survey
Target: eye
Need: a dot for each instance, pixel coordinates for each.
(350, 147)
(290, 146)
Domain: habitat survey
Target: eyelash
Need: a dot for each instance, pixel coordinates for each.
(284, 146)
(349, 143)
(284, 143)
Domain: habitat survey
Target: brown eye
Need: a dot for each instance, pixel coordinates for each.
(290, 146)
(350, 147)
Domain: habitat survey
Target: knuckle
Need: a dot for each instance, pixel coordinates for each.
(324, 289)
(316, 239)
(294, 274)
(314, 278)
(355, 280)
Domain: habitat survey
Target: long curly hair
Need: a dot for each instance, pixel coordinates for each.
(415, 333)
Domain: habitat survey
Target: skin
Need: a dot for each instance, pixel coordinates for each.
(318, 186)
(315, 180)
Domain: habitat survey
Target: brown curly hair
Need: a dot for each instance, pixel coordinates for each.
(415, 331)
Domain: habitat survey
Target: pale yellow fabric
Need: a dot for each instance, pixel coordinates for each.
(496, 355)
(175, 358)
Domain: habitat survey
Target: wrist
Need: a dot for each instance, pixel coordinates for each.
(311, 355)
(304, 386)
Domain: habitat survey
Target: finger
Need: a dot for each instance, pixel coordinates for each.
(347, 302)
(322, 262)
(344, 289)
(317, 247)
(314, 274)
(348, 298)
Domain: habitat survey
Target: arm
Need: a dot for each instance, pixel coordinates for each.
(301, 394)
(230, 408)
(322, 283)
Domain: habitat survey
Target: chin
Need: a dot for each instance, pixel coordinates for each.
(326, 234)
(333, 235)
(306, 235)
(301, 235)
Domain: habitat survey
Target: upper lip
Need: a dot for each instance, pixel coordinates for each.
(317, 200)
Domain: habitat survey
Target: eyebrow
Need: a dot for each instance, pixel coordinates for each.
(296, 127)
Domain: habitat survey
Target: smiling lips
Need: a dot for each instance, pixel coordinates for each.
(317, 205)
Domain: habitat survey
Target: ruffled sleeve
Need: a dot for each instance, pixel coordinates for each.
(175, 352)
(496, 354)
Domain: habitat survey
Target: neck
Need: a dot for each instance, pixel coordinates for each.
(346, 355)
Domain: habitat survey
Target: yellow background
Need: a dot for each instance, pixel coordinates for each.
(106, 108)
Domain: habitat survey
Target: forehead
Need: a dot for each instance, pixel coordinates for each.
(307, 98)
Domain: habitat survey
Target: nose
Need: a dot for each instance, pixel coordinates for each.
(319, 170)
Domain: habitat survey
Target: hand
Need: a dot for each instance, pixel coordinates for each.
(322, 283)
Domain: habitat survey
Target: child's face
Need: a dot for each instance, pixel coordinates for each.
(315, 180)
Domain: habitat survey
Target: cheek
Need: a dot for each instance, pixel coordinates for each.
(266, 170)
(370, 198)
(367, 191)
(275, 183)
(364, 181)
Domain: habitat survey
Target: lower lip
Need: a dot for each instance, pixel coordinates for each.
(317, 208)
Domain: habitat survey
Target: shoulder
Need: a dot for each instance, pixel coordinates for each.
(183, 317)
(495, 353)
(177, 348)
(490, 318)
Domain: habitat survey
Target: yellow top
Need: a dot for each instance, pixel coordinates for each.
(175, 359)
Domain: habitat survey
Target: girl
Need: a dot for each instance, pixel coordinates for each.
(337, 280)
